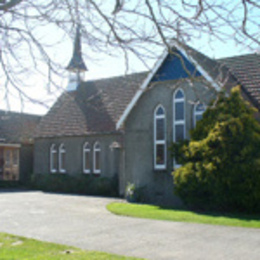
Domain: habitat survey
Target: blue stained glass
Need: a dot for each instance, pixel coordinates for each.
(179, 133)
(200, 108)
(179, 94)
(160, 129)
(160, 111)
(179, 111)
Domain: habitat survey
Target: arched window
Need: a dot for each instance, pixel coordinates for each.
(86, 158)
(159, 138)
(53, 158)
(62, 155)
(178, 118)
(199, 109)
(96, 157)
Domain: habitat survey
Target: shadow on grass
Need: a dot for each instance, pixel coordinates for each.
(236, 215)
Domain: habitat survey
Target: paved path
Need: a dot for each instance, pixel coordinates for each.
(84, 222)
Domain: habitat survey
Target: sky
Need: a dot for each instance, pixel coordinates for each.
(100, 65)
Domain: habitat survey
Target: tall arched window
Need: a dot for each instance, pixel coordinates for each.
(159, 138)
(199, 109)
(53, 159)
(178, 118)
(86, 158)
(96, 157)
(62, 155)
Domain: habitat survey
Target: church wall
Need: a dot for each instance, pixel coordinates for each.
(74, 154)
(139, 137)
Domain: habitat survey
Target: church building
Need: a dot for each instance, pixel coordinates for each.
(123, 126)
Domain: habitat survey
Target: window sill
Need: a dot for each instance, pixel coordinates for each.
(160, 168)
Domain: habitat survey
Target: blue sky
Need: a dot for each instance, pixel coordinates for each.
(108, 63)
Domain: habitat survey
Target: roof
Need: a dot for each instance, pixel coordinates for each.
(246, 68)
(94, 107)
(215, 73)
(102, 106)
(219, 73)
(17, 127)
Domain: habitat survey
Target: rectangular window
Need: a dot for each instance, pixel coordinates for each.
(62, 158)
(54, 162)
(53, 159)
(160, 125)
(160, 154)
(179, 111)
(97, 161)
(179, 133)
(97, 158)
(87, 162)
(62, 162)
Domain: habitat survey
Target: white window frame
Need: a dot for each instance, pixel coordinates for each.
(197, 113)
(95, 150)
(62, 151)
(159, 142)
(178, 122)
(86, 149)
(53, 152)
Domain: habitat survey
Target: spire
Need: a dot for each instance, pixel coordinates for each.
(76, 63)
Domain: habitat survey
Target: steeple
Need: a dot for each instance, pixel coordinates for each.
(76, 65)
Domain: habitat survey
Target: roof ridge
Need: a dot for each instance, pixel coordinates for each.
(19, 113)
(238, 56)
(117, 76)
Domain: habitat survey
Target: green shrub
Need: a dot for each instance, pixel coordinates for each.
(221, 163)
(130, 192)
(82, 184)
(135, 194)
(10, 184)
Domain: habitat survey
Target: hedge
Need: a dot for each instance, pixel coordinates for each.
(82, 184)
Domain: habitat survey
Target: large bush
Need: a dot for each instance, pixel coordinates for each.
(221, 163)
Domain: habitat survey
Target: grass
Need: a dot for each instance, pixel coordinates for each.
(159, 213)
(20, 248)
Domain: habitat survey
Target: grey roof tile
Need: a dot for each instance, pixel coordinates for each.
(246, 68)
(95, 107)
(17, 127)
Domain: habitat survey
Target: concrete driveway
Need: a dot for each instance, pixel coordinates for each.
(84, 222)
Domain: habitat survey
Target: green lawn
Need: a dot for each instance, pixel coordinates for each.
(158, 213)
(20, 248)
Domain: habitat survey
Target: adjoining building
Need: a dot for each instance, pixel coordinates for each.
(16, 145)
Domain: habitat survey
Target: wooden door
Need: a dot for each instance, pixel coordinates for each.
(11, 164)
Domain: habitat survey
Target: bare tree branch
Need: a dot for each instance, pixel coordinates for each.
(5, 6)
(33, 31)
